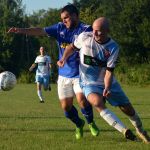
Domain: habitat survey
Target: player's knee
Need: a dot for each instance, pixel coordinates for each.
(45, 87)
(99, 104)
(96, 101)
(82, 103)
(66, 106)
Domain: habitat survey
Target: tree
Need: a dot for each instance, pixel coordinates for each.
(11, 13)
(130, 25)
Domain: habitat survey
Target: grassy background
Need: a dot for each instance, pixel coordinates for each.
(26, 124)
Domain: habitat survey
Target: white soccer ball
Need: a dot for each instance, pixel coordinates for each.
(7, 80)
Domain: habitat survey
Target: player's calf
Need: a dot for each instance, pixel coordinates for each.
(143, 136)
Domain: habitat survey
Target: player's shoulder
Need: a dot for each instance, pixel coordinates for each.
(37, 57)
(85, 27)
(61, 26)
(47, 56)
(85, 35)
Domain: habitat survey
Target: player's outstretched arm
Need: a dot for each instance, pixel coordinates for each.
(28, 31)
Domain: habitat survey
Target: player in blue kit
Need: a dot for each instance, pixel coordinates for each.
(98, 55)
(65, 33)
(43, 64)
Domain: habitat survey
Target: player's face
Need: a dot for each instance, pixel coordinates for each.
(68, 19)
(100, 34)
(41, 50)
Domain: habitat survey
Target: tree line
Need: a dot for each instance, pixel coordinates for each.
(129, 26)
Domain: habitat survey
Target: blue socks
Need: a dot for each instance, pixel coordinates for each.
(88, 113)
(73, 116)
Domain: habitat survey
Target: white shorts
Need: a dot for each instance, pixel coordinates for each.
(68, 87)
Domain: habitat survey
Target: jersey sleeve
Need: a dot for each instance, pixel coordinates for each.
(111, 62)
(88, 28)
(36, 60)
(49, 60)
(78, 41)
(52, 30)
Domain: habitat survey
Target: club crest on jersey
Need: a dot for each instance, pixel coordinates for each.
(63, 45)
(62, 34)
(106, 53)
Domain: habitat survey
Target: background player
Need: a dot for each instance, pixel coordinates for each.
(43, 63)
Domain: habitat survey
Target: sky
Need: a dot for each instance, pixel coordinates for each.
(35, 5)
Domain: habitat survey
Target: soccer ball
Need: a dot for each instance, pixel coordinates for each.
(7, 80)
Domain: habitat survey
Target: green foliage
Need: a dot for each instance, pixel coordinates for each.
(129, 23)
(133, 75)
(11, 15)
(26, 77)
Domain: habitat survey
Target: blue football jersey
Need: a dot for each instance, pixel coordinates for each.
(64, 37)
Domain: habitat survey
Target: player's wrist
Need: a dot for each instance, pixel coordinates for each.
(31, 69)
(107, 90)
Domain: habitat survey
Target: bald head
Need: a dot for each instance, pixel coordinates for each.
(101, 23)
(101, 29)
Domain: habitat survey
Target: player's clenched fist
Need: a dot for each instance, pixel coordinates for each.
(14, 30)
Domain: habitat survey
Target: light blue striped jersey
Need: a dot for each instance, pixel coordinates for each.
(94, 58)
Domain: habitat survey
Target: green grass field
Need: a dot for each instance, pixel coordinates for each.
(26, 124)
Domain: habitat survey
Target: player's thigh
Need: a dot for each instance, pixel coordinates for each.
(79, 93)
(65, 88)
(94, 94)
(39, 79)
(76, 86)
(117, 97)
(66, 103)
(46, 82)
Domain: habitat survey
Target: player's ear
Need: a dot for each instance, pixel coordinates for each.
(74, 16)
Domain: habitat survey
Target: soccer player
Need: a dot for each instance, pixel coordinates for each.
(65, 33)
(98, 55)
(43, 63)
(0, 82)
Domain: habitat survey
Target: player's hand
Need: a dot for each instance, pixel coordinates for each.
(60, 63)
(13, 30)
(30, 69)
(106, 92)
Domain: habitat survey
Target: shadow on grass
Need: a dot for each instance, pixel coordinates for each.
(50, 130)
(51, 117)
(32, 117)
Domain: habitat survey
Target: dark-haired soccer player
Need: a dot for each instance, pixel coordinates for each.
(66, 32)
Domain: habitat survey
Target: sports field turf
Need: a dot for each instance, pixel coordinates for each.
(26, 124)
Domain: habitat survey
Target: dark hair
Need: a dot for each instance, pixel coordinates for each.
(71, 9)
